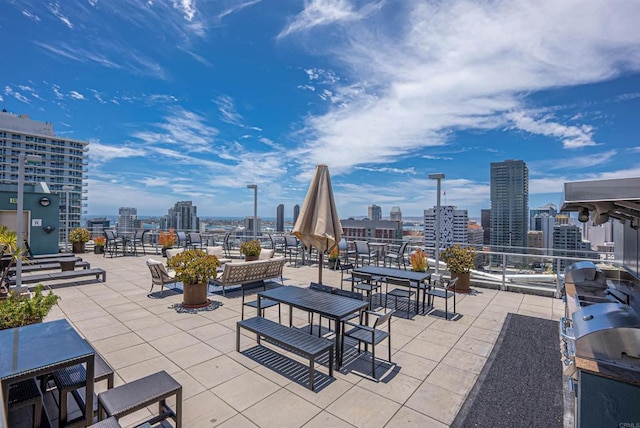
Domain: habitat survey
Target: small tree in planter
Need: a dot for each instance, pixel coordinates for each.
(78, 237)
(250, 250)
(18, 310)
(98, 244)
(194, 268)
(166, 240)
(419, 261)
(8, 245)
(460, 260)
(334, 257)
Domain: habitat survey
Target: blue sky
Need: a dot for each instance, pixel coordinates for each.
(193, 100)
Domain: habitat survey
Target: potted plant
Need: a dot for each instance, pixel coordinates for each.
(98, 244)
(194, 268)
(78, 237)
(251, 250)
(8, 246)
(18, 310)
(460, 260)
(166, 240)
(419, 261)
(334, 255)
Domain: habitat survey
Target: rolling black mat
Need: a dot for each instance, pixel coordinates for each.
(521, 383)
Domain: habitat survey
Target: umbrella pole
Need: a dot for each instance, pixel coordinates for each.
(319, 267)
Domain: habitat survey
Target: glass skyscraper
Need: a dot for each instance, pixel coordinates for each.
(509, 204)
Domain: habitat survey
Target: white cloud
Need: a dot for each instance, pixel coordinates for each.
(186, 7)
(31, 16)
(102, 153)
(324, 12)
(235, 8)
(54, 8)
(228, 110)
(411, 171)
(467, 66)
(76, 95)
(17, 95)
(572, 137)
(431, 157)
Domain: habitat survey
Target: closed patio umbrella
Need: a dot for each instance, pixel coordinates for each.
(318, 224)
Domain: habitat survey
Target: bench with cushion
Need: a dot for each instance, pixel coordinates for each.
(67, 274)
(247, 272)
(289, 339)
(140, 393)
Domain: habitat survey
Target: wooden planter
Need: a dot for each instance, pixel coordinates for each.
(195, 295)
(78, 247)
(464, 281)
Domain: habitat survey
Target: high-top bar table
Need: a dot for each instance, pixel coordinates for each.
(42, 348)
(414, 277)
(326, 304)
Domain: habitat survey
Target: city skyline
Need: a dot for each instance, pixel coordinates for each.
(193, 101)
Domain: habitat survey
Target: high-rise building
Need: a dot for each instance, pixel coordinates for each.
(63, 163)
(97, 225)
(549, 209)
(126, 219)
(509, 204)
(280, 218)
(567, 242)
(381, 230)
(375, 212)
(453, 226)
(183, 216)
(296, 213)
(599, 235)
(395, 214)
(485, 222)
(248, 226)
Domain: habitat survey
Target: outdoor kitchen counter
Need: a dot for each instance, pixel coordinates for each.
(610, 371)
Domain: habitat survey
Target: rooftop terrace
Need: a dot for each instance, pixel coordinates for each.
(437, 361)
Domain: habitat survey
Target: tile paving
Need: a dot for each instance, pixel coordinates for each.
(436, 361)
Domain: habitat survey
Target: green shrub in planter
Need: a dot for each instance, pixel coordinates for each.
(18, 310)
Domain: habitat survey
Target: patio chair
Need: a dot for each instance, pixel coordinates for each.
(194, 240)
(366, 283)
(405, 292)
(345, 269)
(325, 289)
(363, 251)
(264, 303)
(398, 257)
(159, 275)
(292, 248)
(182, 239)
(343, 246)
(112, 243)
(370, 335)
(138, 239)
(444, 289)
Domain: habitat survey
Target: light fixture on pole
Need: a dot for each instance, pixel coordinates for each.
(22, 160)
(255, 208)
(66, 189)
(438, 177)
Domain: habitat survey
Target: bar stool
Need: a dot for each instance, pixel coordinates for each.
(70, 379)
(26, 393)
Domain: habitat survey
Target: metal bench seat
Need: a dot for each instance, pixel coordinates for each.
(289, 339)
(140, 393)
(67, 274)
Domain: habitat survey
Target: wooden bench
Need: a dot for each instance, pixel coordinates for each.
(247, 272)
(67, 274)
(48, 266)
(289, 339)
(140, 393)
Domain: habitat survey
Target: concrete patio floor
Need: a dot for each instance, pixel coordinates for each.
(436, 361)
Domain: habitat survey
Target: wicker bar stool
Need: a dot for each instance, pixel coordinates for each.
(70, 379)
(26, 393)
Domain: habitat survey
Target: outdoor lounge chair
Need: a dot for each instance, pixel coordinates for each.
(159, 275)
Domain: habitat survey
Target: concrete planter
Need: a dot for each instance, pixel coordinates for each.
(464, 280)
(78, 247)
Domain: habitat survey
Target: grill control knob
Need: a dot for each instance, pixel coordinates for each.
(587, 317)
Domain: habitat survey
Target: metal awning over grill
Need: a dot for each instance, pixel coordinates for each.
(616, 198)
